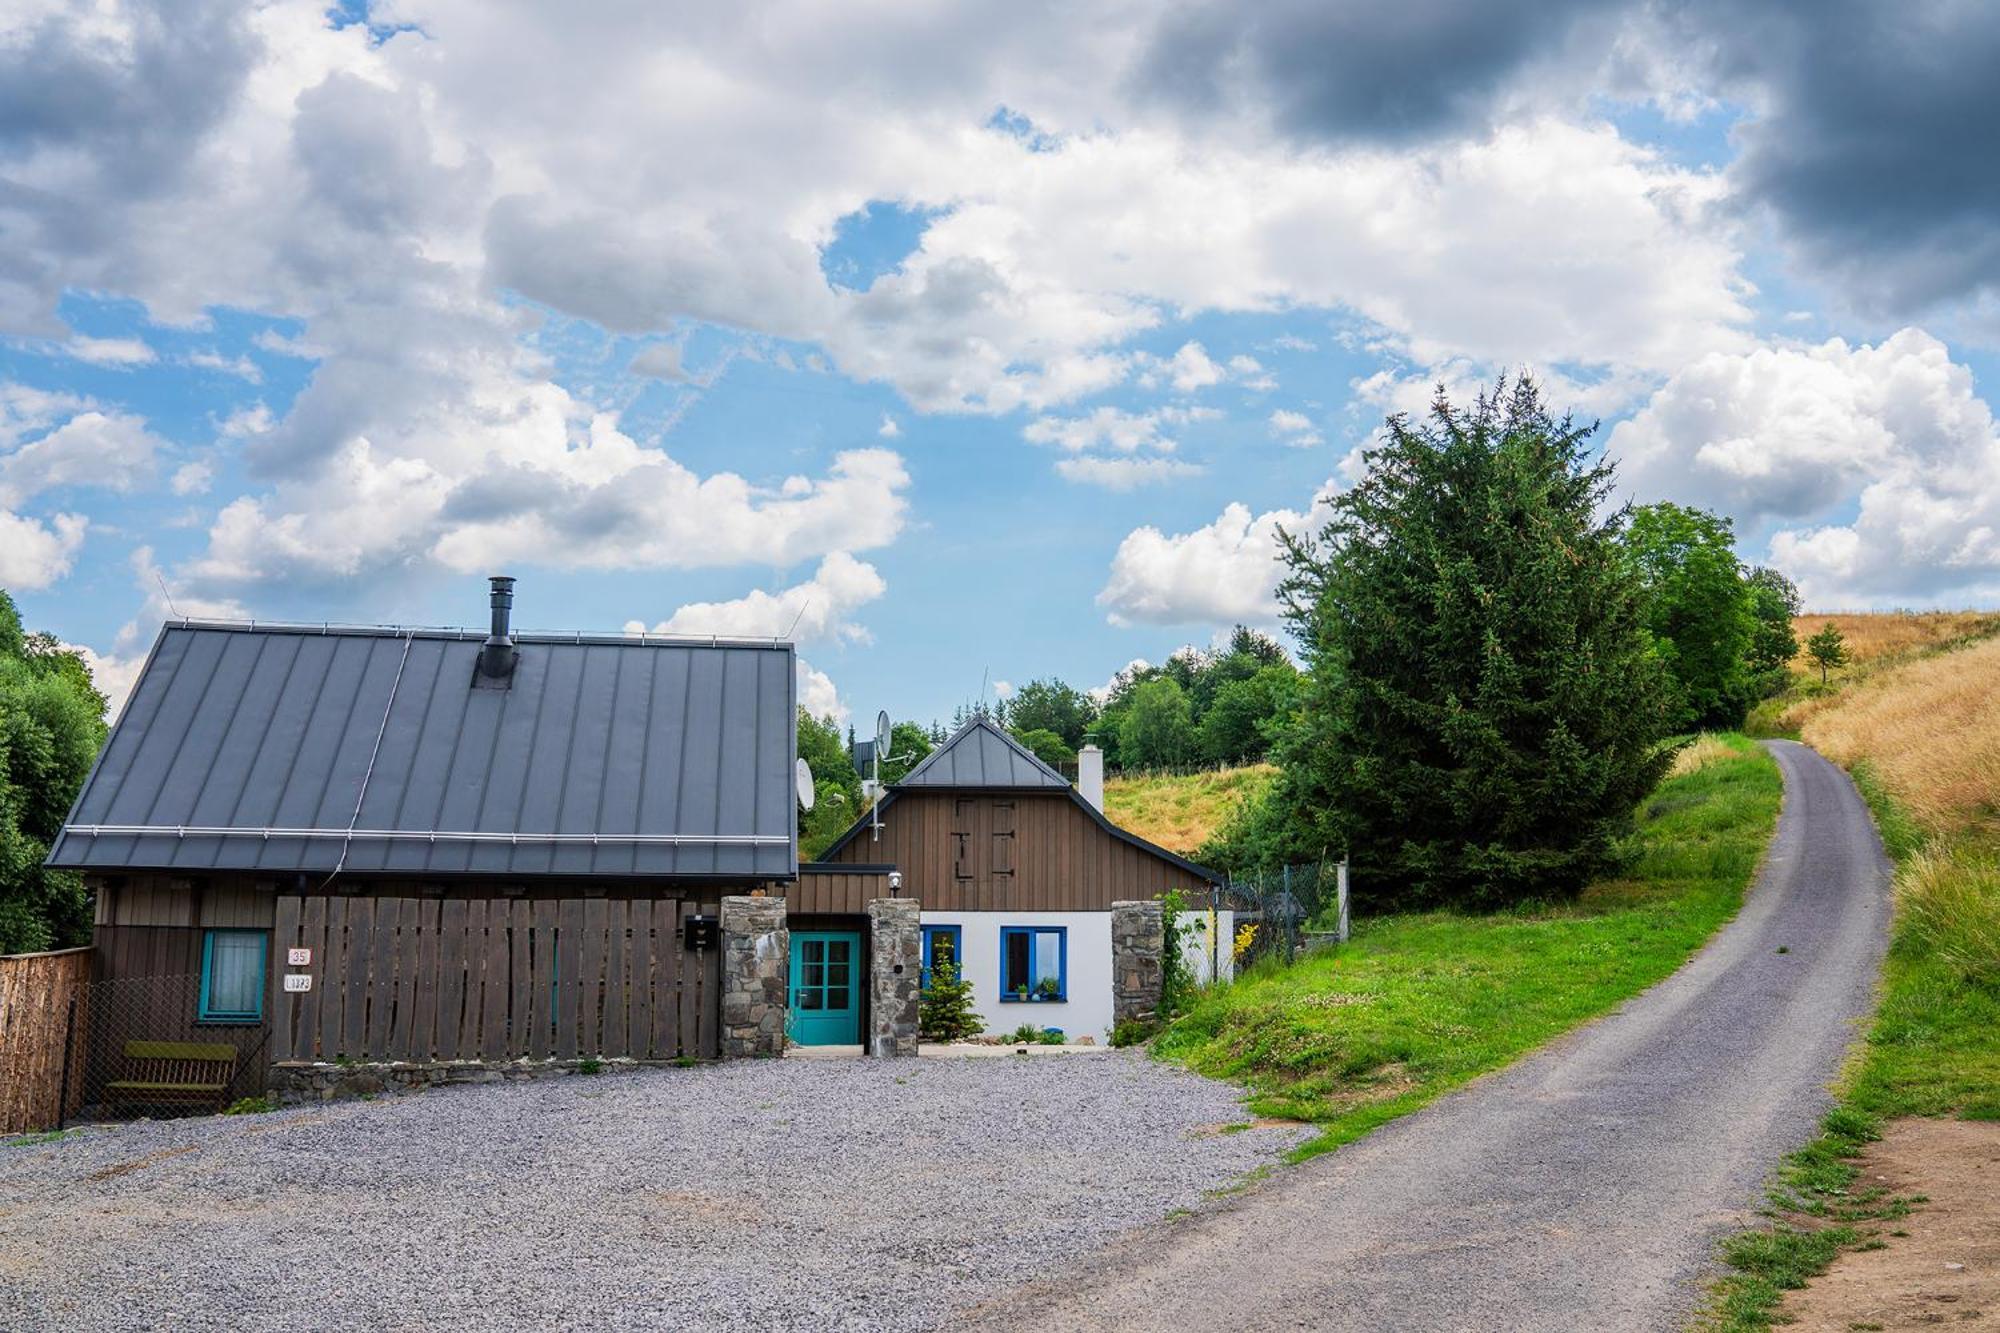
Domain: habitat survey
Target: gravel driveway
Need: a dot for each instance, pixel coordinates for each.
(762, 1194)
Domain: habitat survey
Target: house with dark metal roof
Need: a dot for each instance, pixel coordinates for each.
(1016, 871)
(318, 843)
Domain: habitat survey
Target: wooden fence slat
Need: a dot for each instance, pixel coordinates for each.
(451, 978)
(475, 977)
(569, 976)
(382, 977)
(423, 1033)
(590, 1004)
(355, 981)
(312, 935)
(409, 924)
(667, 981)
(542, 984)
(617, 953)
(497, 986)
(43, 1012)
(688, 991)
(520, 978)
(284, 1008)
(641, 979)
(332, 978)
(708, 1035)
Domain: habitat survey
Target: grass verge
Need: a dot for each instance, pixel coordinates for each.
(1416, 1005)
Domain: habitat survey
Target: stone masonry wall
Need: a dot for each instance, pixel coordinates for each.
(1138, 942)
(756, 976)
(895, 969)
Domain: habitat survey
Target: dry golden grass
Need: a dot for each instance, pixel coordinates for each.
(1182, 813)
(1699, 754)
(1929, 729)
(1950, 899)
(1872, 635)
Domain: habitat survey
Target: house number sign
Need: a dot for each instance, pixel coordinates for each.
(297, 981)
(299, 957)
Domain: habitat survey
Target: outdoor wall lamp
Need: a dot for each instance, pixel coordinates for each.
(895, 883)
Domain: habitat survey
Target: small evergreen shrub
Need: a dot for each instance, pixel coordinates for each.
(944, 1011)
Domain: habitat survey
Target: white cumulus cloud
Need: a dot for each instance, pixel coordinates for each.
(1224, 572)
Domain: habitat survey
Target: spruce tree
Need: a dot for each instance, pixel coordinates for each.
(945, 1009)
(1484, 709)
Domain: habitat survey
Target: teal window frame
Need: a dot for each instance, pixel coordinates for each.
(953, 932)
(1008, 996)
(205, 1011)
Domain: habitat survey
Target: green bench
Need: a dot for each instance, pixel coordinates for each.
(175, 1073)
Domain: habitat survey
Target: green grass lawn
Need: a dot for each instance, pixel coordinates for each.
(1416, 1005)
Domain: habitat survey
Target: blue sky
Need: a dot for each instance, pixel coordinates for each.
(974, 351)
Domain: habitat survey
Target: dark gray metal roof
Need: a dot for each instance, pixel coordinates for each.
(267, 748)
(980, 754)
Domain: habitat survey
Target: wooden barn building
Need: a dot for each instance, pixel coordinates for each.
(371, 844)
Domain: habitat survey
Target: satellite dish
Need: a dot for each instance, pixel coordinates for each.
(807, 794)
(882, 733)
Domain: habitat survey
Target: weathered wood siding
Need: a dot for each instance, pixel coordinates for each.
(44, 1035)
(459, 978)
(819, 892)
(1026, 852)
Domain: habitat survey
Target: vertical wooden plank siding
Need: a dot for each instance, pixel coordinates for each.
(667, 987)
(641, 979)
(707, 1029)
(688, 991)
(476, 910)
(354, 982)
(520, 977)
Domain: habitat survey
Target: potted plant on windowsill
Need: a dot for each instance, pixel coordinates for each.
(1021, 991)
(1050, 990)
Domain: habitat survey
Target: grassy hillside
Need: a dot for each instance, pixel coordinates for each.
(1874, 635)
(1181, 812)
(1921, 733)
(1416, 1005)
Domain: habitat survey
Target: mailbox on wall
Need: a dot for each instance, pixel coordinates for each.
(700, 932)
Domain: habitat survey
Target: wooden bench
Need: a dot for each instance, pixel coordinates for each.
(175, 1073)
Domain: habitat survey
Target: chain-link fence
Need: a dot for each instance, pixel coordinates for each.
(144, 1048)
(1288, 907)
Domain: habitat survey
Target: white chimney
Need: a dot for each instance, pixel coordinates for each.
(1090, 776)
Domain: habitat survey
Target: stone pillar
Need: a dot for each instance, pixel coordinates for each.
(1138, 940)
(756, 976)
(895, 975)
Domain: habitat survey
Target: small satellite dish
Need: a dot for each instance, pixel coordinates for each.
(882, 733)
(805, 784)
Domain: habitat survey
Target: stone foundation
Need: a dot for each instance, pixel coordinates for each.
(756, 976)
(295, 1082)
(895, 975)
(1138, 942)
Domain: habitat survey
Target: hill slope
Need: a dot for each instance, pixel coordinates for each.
(1182, 811)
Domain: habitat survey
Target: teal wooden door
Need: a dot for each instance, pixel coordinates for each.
(826, 988)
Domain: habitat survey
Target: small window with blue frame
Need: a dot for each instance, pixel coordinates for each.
(941, 945)
(1034, 964)
(232, 976)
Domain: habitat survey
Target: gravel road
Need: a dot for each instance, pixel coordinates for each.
(761, 1194)
(1583, 1188)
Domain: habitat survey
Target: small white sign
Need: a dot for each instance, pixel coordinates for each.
(299, 957)
(297, 981)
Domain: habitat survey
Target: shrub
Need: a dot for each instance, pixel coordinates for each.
(590, 1064)
(250, 1106)
(1133, 1032)
(1177, 986)
(944, 1011)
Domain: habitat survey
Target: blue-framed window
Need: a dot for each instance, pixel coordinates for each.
(941, 944)
(1034, 963)
(232, 975)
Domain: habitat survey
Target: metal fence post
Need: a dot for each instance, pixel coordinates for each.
(69, 1041)
(1340, 889)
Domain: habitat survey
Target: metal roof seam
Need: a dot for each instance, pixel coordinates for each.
(361, 794)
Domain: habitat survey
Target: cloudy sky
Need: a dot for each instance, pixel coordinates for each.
(967, 343)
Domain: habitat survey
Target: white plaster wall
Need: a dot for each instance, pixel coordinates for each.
(1197, 928)
(1087, 1011)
